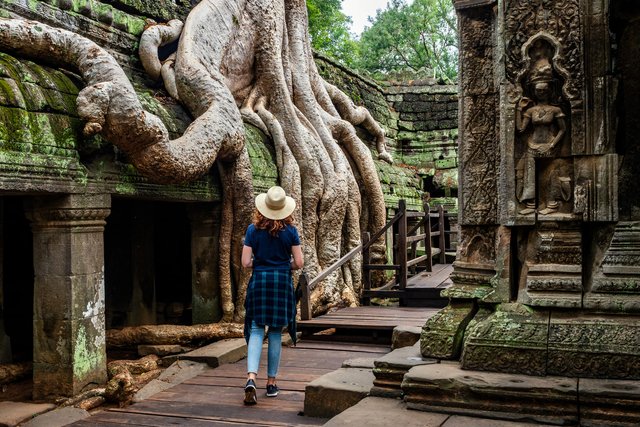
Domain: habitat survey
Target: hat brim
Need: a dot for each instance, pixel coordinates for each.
(261, 205)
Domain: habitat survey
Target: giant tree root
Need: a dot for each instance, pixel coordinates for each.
(126, 377)
(172, 334)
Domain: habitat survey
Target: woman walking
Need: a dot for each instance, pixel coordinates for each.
(272, 248)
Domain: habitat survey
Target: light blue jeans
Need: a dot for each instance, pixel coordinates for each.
(254, 349)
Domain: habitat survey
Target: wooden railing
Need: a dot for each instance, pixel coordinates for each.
(406, 260)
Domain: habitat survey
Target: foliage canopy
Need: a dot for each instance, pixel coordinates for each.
(329, 30)
(412, 39)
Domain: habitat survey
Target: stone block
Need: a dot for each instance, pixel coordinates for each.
(447, 388)
(378, 412)
(360, 362)
(405, 336)
(177, 373)
(609, 402)
(14, 413)
(58, 417)
(592, 346)
(460, 421)
(336, 391)
(513, 339)
(442, 334)
(389, 370)
(218, 353)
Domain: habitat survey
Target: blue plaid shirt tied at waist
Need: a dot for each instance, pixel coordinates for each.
(271, 301)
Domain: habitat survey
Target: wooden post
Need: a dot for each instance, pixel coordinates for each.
(305, 300)
(441, 240)
(366, 272)
(427, 238)
(402, 245)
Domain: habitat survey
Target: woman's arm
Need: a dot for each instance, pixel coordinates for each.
(298, 261)
(247, 257)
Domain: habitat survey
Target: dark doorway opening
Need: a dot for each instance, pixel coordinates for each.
(147, 264)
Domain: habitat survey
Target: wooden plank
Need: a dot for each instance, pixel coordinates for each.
(110, 418)
(239, 413)
(430, 280)
(417, 260)
(416, 238)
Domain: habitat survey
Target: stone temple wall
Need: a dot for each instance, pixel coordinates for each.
(547, 280)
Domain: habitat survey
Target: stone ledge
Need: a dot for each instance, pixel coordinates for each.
(13, 413)
(336, 391)
(215, 354)
(389, 370)
(446, 388)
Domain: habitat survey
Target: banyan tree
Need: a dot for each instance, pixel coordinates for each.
(237, 61)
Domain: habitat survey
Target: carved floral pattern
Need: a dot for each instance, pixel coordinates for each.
(559, 18)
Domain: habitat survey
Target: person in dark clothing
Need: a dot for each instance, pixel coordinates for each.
(272, 248)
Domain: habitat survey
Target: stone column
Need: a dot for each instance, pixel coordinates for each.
(205, 228)
(69, 348)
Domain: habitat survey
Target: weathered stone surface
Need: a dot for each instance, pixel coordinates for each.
(405, 336)
(215, 354)
(389, 369)
(360, 362)
(461, 421)
(177, 373)
(58, 417)
(379, 412)
(597, 346)
(336, 391)
(14, 413)
(616, 279)
(442, 334)
(446, 388)
(512, 339)
(553, 267)
(609, 402)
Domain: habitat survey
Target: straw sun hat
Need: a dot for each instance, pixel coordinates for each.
(275, 204)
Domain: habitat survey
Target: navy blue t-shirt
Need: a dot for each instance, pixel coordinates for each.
(271, 252)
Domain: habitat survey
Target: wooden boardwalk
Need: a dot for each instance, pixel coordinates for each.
(214, 398)
(367, 323)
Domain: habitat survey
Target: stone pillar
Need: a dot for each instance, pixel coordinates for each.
(69, 350)
(5, 342)
(481, 270)
(205, 228)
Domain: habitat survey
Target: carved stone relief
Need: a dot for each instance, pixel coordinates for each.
(594, 346)
(552, 269)
(478, 154)
(616, 281)
(543, 172)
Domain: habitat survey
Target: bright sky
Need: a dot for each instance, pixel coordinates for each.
(359, 10)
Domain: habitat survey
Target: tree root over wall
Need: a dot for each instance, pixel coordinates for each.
(238, 60)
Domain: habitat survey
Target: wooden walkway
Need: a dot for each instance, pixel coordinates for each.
(366, 323)
(214, 398)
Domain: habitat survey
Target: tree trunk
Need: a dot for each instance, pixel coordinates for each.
(172, 334)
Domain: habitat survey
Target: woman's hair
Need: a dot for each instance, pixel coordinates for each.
(273, 226)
